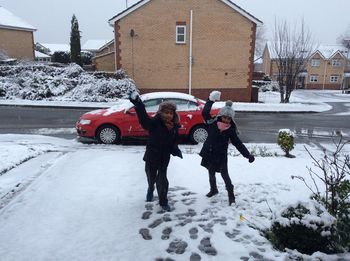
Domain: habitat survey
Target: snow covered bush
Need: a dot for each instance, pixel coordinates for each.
(267, 86)
(61, 57)
(44, 82)
(333, 170)
(306, 227)
(286, 141)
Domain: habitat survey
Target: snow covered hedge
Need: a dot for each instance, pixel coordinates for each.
(71, 83)
(306, 227)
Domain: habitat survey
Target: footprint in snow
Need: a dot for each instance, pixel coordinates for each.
(206, 247)
(145, 233)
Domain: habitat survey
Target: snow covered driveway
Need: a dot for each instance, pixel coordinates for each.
(87, 202)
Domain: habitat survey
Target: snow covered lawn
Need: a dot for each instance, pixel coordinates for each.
(74, 201)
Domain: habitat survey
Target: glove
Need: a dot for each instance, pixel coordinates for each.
(176, 152)
(214, 96)
(134, 95)
(251, 158)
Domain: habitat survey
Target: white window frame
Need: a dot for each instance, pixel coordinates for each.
(316, 62)
(336, 63)
(314, 78)
(178, 34)
(334, 78)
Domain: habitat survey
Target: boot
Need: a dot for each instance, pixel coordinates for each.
(231, 198)
(213, 189)
(212, 192)
(231, 195)
(149, 196)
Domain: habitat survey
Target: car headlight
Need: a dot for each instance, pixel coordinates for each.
(85, 122)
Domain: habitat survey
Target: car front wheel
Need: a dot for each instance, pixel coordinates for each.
(108, 134)
(199, 134)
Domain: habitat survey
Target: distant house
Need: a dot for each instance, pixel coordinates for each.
(326, 68)
(187, 46)
(93, 46)
(16, 36)
(50, 49)
(42, 57)
(104, 58)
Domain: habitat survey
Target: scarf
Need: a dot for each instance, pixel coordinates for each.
(169, 124)
(223, 126)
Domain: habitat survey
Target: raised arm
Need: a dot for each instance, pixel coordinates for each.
(214, 96)
(144, 119)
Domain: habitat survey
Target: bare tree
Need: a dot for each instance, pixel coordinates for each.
(333, 172)
(344, 40)
(260, 41)
(292, 47)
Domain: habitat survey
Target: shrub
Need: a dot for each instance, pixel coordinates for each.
(306, 227)
(61, 57)
(86, 57)
(286, 141)
(2, 92)
(333, 170)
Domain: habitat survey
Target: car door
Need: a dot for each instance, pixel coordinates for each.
(135, 128)
(188, 112)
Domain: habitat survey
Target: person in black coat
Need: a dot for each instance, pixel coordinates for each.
(161, 143)
(221, 130)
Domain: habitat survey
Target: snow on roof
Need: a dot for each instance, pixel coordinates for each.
(94, 44)
(56, 47)
(328, 51)
(173, 95)
(41, 55)
(11, 21)
(143, 2)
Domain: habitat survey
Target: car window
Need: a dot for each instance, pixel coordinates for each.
(152, 105)
(184, 105)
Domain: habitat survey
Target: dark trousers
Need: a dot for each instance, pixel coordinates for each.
(224, 174)
(158, 175)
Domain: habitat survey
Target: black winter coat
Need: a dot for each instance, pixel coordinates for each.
(214, 151)
(161, 142)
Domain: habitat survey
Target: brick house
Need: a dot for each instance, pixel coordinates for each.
(104, 58)
(191, 46)
(16, 36)
(326, 68)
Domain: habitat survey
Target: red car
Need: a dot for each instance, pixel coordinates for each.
(120, 121)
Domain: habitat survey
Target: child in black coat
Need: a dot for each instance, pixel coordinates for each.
(221, 130)
(161, 143)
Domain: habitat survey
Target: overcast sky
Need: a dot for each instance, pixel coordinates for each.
(327, 19)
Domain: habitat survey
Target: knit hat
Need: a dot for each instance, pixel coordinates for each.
(227, 110)
(167, 105)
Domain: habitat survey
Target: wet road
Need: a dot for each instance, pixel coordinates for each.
(256, 127)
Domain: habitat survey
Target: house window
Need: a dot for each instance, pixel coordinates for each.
(334, 78)
(314, 78)
(315, 62)
(336, 63)
(180, 34)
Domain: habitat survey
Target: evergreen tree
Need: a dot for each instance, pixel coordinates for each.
(75, 48)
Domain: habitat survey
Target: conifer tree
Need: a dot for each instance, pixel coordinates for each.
(75, 47)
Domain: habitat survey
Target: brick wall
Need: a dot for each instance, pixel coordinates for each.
(17, 44)
(223, 44)
(104, 62)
